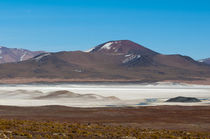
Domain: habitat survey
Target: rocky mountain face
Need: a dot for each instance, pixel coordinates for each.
(8, 55)
(113, 61)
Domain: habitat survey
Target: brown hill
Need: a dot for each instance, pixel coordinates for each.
(111, 61)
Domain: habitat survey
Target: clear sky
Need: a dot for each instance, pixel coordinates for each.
(166, 26)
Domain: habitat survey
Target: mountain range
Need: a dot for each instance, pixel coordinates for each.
(121, 60)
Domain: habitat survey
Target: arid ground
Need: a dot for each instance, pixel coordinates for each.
(192, 118)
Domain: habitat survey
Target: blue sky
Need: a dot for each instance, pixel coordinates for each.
(166, 26)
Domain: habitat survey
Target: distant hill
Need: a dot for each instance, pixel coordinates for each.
(8, 55)
(207, 60)
(113, 61)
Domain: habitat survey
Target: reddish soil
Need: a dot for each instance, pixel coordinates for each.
(194, 118)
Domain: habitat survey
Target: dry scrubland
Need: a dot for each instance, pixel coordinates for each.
(48, 129)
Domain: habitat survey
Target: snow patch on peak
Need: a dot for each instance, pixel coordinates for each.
(21, 58)
(202, 60)
(77, 70)
(38, 58)
(90, 50)
(130, 57)
(107, 46)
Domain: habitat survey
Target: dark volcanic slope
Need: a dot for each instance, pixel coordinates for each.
(115, 60)
(8, 55)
